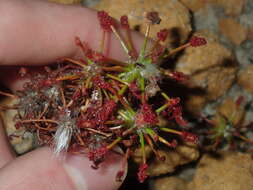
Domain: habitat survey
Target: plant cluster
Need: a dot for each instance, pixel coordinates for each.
(223, 130)
(91, 105)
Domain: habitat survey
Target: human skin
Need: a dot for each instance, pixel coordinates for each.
(36, 33)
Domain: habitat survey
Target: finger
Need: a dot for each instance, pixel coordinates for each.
(41, 170)
(6, 155)
(39, 32)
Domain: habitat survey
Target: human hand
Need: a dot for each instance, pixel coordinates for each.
(36, 33)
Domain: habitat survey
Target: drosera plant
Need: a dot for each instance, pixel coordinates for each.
(224, 131)
(91, 105)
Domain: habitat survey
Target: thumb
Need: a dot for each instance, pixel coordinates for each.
(41, 170)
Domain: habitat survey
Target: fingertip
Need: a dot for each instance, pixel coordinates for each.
(41, 169)
(79, 167)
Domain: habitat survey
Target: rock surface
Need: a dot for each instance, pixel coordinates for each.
(233, 30)
(21, 140)
(181, 155)
(245, 78)
(231, 7)
(170, 183)
(193, 5)
(175, 16)
(233, 112)
(229, 171)
(212, 70)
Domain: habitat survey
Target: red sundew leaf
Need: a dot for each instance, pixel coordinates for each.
(106, 111)
(174, 143)
(239, 100)
(196, 41)
(124, 22)
(163, 34)
(146, 116)
(120, 175)
(88, 52)
(142, 173)
(179, 76)
(189, 137)
(97, 155)
(174, 102)
(77, 94)
(99, 82)
(177, 115)
(105, 20)
(180, 121)
(135, 90)
(156, 53)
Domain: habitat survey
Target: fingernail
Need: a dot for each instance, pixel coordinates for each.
(83, 177)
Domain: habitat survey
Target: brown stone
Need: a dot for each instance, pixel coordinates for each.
(250, 34)
(231, 7)
(193, 5)
(21, 140)
(233, 112)
(182, 155)
(229, 171)
(137, 154)
(169, 183)
(245, 78)
(211, 68)
(195, 103)
(233, 30)
(174, 15)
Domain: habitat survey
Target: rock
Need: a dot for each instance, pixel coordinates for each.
(195, 103)
(183, 154)
(66, 1)
(193, 5)
(231, 7)
(169, 183)
(250, 34)
(21, 140)
(137, 155)
(233, 30)
(233, 112)
(211, 68)
(245, 78)
(229, 171)
(174, 15)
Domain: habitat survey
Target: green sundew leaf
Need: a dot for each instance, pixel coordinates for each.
(127, 115)
(142, 141)
(132, 75)
(150, 132)
(141, 83)
(90, 62)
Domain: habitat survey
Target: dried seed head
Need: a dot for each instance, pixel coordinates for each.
(65, 128)
(62, 139)
(153, 17)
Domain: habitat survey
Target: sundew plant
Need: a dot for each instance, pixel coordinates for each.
(91, 105)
